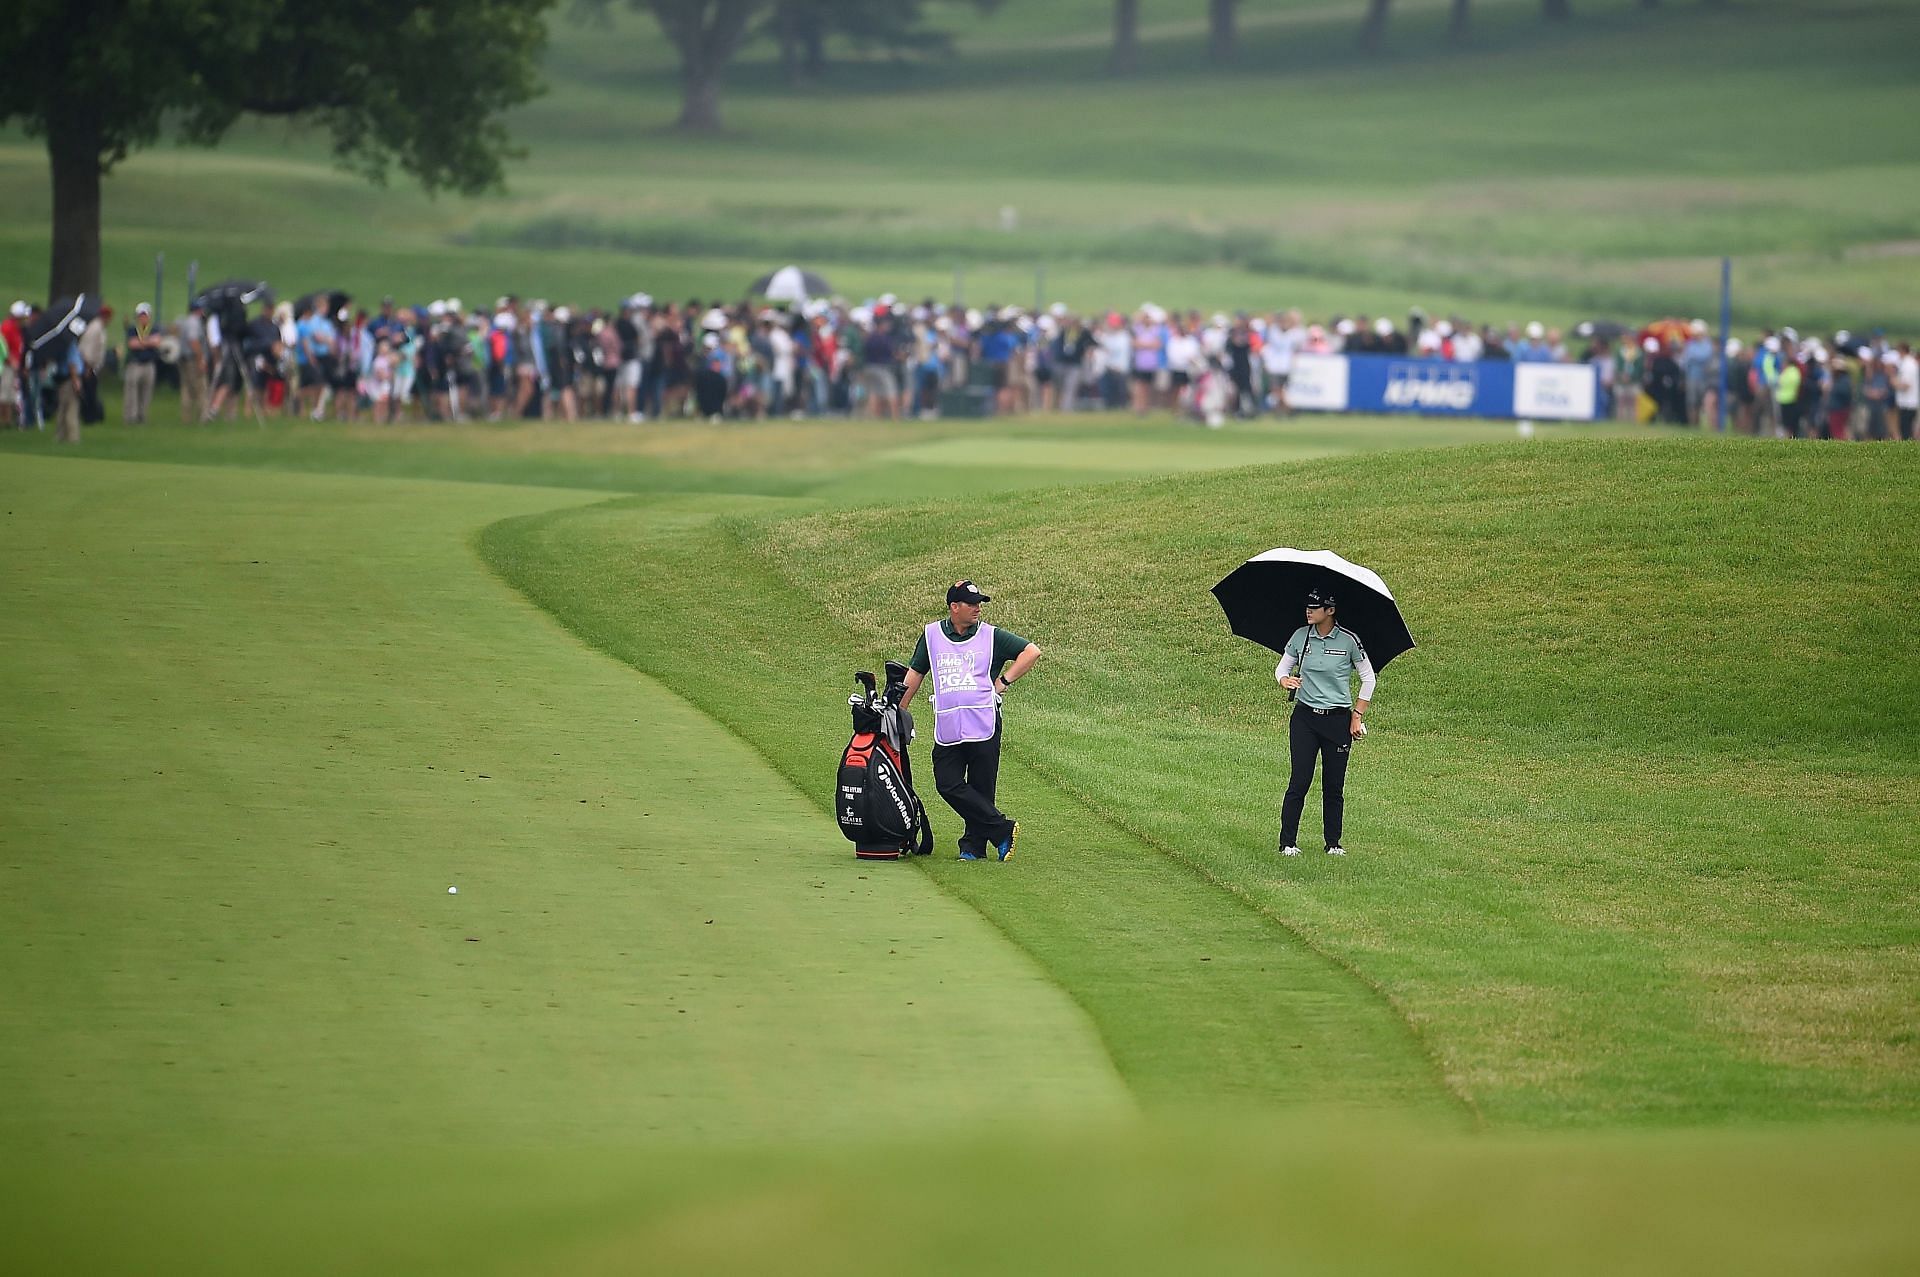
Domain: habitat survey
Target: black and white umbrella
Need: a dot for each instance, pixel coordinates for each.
(64, 319)
(1265, 600)
(790, 284)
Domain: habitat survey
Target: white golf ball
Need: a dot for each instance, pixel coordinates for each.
(453, 891)
(1526, 429)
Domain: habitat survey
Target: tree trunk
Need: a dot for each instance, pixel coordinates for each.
(1126, 36)
(1220, 35)
(73, 152)
(1374, 30)
(1557, 9)
(1457, 20)
(699, 96)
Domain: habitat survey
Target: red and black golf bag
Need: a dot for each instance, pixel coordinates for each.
(878, 810)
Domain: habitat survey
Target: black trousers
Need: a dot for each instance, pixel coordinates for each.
(1310, 738)
(966, 776)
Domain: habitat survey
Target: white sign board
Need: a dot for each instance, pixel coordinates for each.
(1318, 383)
(1560, 392)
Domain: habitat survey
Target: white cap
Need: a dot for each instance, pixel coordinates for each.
(505, 321)
(1771, 343)
(1866, 352)
(20, 310)
(1444, 328)
(1536, 330)
(142, 309)
(562, 314)
(1383, 326)
(1058, 310)
(453, 304)
(1698, 328)
(711, 341)
(1734, 347)
(501, 304)
(436, 308)
(641, 301)
(974, 318)
(1650, 345)
(714, 320)
(888, 299)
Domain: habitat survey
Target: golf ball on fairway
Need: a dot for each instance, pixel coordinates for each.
(1526, 429)
(453, 891)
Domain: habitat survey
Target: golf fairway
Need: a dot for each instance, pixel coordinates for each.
(259, 724)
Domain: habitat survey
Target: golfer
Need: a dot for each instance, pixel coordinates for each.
(972, 666)
(1319, 664)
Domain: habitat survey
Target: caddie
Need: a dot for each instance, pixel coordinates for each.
(972, 666)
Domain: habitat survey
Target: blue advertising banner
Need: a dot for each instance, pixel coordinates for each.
(1491, 388)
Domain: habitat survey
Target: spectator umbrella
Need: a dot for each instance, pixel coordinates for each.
(333, 299)
(1265, 600)
(64, 319)
(790, 284)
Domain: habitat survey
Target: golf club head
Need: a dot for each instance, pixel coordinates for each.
(866, 680)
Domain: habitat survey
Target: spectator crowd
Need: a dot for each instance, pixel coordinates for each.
(646, 360)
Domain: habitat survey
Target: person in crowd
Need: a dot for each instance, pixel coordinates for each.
(877, 375)
(93, 345)
(1906, 388)
(13, 350)
(191, 332)
(140, 365)
(1317, 668)
(1837, 400)
(1876, 394)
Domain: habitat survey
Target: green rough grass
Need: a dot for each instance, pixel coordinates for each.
(1634, 838)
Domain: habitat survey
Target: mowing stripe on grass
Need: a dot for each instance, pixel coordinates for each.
(1198, 997)
(258, 724)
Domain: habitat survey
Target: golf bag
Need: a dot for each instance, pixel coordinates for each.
(878, 810)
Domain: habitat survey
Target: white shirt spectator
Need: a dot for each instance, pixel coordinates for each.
(1467, 347)
(1277, 355)
(1183, 353)
(1906, 391)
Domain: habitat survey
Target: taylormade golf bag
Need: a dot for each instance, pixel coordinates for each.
(879, 812)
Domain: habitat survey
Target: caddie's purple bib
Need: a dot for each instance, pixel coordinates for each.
(963, 704)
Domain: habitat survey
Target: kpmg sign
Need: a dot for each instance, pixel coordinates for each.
(1490, 388)
(1431, 385)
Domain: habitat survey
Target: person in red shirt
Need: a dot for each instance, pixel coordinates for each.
(13, 345)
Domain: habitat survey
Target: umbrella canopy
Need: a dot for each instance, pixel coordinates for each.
(1265, 600)
(332, 300)
(64, 319)
(245, 292)
(1604, 329)
(790, 284)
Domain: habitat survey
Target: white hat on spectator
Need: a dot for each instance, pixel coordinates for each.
(1536, 330)
(1698, 328)
(861, 315)
(813, 308)
(711, 341)
(1219, 319)
(1866, 352)
(1058, 310)
(640, 301)
(453, 306)
(1049, 325)
(1771, 343)
(1650, 345)
(1429, 340)
(436, 308)
(714, 320)
(1734, 347)
(1345, 328)
(505, 321)
(1444, 327)
(503, 303)
(1383, 326)
(141, 308)
(888, 299)
(919, 313)
(562, 314)
(974, 318)
(1790, 334)
(19, 310)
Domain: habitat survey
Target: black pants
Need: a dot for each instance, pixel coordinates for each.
(1310, 737)
(966, 776)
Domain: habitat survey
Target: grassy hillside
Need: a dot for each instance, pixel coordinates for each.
(1540, 170)
(1633, 839)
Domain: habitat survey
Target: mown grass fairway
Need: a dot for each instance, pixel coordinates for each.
(1610, 871)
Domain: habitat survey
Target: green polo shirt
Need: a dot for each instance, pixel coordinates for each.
(1006, 646)
(1326, 673)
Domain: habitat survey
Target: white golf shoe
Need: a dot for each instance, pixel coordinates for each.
(1336, 850)
(1289, 851)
